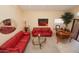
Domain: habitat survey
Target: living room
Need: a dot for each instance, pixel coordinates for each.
(33, 21)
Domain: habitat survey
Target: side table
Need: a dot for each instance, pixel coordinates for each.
(62, 34)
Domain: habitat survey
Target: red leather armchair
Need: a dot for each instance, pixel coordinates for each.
(17, 43)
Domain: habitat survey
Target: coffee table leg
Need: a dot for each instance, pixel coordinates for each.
(45, 40)
(58, 40)
(33, 42)
(39, 41)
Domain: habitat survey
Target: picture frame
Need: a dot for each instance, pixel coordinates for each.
(42, 21)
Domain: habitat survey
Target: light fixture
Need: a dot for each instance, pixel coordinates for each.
(58, 21)
(77, 14)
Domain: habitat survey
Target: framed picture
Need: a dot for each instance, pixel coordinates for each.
(42, 22)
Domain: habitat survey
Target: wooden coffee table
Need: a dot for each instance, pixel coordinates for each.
(62, 34)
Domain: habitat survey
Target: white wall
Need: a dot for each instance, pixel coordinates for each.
(31, 17)
(14, 13)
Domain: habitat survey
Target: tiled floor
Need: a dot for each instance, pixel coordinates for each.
(69, 47)
(48, 47)
(52, 47)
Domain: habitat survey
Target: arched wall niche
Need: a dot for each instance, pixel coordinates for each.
(7, 26)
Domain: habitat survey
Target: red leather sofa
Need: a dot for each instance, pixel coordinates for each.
(44, 32)
(17, 43)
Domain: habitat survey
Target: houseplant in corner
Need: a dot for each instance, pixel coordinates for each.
(67, 18)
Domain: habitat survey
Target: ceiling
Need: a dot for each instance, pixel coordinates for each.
(46, 7)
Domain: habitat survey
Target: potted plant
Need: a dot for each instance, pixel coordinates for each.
(67, 18)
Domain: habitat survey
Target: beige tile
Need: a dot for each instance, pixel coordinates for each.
(52, 47)
(48, 47)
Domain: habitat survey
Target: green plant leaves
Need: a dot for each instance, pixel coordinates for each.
(67, 17)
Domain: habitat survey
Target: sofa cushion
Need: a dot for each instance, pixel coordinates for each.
(13, 41)
(9, 50)
(13, 50)
(42, 31)
(4, 51)
(22, 44)
(25, 39)
(26, 33)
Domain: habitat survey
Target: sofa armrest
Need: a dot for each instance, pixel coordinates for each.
(4, 51)
(13, 50)
(9, 50)
(27, 33)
